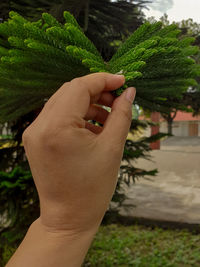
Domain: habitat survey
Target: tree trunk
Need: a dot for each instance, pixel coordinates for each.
(155, 117)
(73, 6)
(86, 20)
(169, 123)
(170, 118)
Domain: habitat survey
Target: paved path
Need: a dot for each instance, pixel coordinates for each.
(174, 195)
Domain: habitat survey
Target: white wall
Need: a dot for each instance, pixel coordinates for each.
(180, 128)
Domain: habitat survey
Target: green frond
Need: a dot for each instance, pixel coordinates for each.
(38, 23)
(79, 39)
(16, 42)
(166, 42)
(51, 21)
(130, 76)
(97, 69)
(143, 33)
(69, 18)
(135, 66)
(91, 64)
(3, 51)
(5, 59)
(28, 74)
(48, 51)
(5, 29)
(16, 29)
(186, 42)
(33, 32)
(150, 53)
(4, 43)
(190, 50)
(129, 57)
(61, 35)
(36, 58)
(81, 54)
(19, 61)
(169, 31)
(17, 18)
(151, 43)
(19, 84)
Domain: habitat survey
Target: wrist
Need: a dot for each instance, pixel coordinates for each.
(48, 247)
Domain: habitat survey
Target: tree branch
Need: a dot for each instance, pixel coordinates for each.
(86, 19)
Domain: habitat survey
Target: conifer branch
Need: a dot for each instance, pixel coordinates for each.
(36, 58)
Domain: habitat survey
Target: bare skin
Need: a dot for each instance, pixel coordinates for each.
(74, 166)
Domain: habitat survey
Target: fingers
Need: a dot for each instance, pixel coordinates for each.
(118, 122)
(106, 99)
(96, 83)
(97, 113)
(81, 92)
(93, 128)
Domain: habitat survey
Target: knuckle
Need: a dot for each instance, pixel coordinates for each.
(76, 81)
(26, 136)
(42, 136)
(79, 83)
(46, 136)
(54, 135)
(66, 84)
(49, 136)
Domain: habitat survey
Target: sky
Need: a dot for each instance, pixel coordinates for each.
(176, 10)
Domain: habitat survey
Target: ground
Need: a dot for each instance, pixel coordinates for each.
(138, 246)
(174, 195)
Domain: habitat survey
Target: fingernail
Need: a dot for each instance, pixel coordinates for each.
(121, 76)
(130, 94)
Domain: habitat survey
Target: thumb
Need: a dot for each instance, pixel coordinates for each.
(119, 120)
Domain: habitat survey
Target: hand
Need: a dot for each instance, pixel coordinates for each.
(75, 163)
(74, 166)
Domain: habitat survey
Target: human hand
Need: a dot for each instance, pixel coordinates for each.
(75, 163)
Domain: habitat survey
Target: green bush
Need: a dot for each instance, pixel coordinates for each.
(19, 206)
(7, 252)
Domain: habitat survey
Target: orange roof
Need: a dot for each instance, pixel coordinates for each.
(180, 116)
(185, 116)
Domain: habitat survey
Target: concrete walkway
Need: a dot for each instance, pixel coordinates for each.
(173, 195)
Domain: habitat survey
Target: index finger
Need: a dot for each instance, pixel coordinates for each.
(98, 82)
(79, 93)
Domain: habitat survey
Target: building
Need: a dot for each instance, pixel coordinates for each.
(184, 124)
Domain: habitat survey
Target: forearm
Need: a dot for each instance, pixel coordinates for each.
(44, 248)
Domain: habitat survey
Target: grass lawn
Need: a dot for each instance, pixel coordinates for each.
(116, 245)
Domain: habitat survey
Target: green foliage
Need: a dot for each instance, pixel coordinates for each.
(140, 246)
(7, 252)
(117, 245)
(39, 56)
(189, 100)
(117, 18)
(19, 205)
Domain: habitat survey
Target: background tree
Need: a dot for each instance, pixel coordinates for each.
(189, 100)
